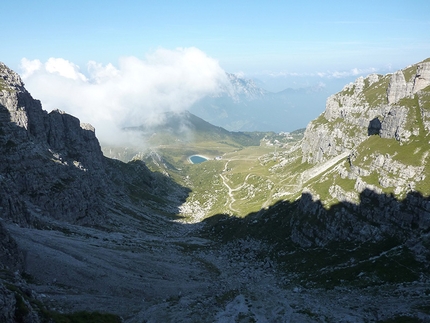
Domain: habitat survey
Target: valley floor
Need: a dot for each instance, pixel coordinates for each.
(172, 274)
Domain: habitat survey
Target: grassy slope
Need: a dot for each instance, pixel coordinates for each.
(246, 170)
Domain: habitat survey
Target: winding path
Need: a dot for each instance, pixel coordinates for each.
(304, 177)
(231, 190)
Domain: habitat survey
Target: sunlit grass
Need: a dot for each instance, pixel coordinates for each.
(376, 93)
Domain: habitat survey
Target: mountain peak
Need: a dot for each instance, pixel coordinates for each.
(353, 113)
(8, 78)
(406, 82)
(244, 88)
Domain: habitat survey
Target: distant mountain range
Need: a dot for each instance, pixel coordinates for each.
(246, 107)
(186, 126)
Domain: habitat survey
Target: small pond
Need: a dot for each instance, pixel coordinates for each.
(197, 159)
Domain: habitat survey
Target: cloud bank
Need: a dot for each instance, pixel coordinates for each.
(327, 74)
(137, 92)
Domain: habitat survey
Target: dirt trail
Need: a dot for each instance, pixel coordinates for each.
(231, 190)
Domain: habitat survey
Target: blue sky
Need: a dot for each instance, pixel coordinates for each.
(95, 48)
(252, 37)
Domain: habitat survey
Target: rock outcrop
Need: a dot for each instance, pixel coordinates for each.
(398, 88)
(382, 124)
(13, 308)
(375, 217)
(11, 258)
(52, 165)
(372, 105)
(422, 78)
(41, 156)
(53, 173)
(7, 305)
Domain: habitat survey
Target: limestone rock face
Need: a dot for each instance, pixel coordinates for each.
(23, 110)
(394, 122)
(343, 125)
(400, 88)
(48, 158)
(65, 133)
(422, 79)
(382, 123)
(397, 88)
(373, 219)
(11, 258)
(52, 166)
(369, 106)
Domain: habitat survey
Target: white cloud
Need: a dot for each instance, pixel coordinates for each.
(64, 68)
(138, 91)
(352, 72)
(29, 67)
(327, 74)
(100, 73)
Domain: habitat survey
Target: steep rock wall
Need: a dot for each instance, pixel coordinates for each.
(371, 105)
(374, 218)
(52, 162)
(379, 190)
(51, 165)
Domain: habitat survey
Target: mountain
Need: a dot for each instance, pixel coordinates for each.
(246, 107)
(244, 88)
(381, 124)
(329, 224)
(55, 163)
(356, 212)
(371, 148)
(187, 127)
(54, 178)
(355, 209)
(182, 134)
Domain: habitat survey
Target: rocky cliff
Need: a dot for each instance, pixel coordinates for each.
(42, 155)
(373, 105)
(376, 133)
(52, 165)
(381, 125)
(53, 174)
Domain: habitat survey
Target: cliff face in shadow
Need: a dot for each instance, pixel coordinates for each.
(53, 176)
(52, 165)
(374, 218)
(381, 240)
(307, 223)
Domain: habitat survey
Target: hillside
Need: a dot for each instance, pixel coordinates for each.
(381, 122)
(188, 128)
(327, 224)
(56, 185)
